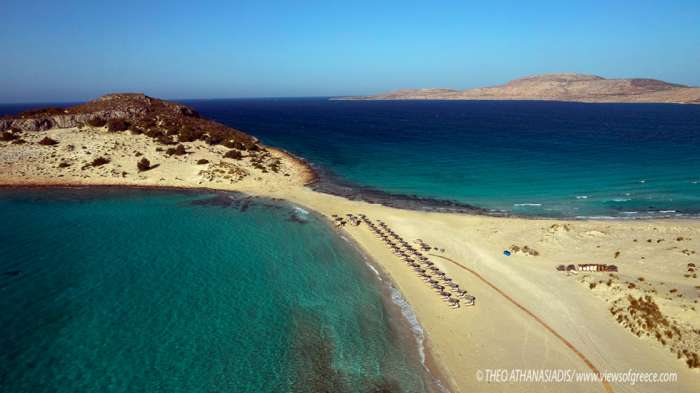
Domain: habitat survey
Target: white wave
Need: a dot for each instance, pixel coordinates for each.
(527, 204)
(666, 211)
(620, 200)
(376, 272)
(412, 319)
(630, 212)
(301, 211)
(581, 196)
(417, 330)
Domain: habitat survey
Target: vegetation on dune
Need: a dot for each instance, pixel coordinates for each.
(143, 164)
(8, 136)
(48, 141)
(99, 161)
(117, 125)
(234, 154)
(179, 150)
(643, 317)
(96, 122)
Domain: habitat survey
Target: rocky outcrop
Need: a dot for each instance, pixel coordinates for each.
(127, 106)
(141, 114)
(560, 87)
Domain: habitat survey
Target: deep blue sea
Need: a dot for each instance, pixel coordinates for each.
(105, 290)
(533, 158)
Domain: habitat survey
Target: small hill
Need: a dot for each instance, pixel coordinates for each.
(166, 121)
(560, 87)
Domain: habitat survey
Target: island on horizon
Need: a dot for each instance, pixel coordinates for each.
(558, 87)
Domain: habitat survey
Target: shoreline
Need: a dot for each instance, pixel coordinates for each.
(438, 381)
(431, 366)
(492, 335)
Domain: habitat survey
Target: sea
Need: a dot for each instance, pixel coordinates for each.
(119, 290)
(525, 158)
(123, 290)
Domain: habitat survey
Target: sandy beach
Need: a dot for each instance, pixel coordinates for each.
(528, 315)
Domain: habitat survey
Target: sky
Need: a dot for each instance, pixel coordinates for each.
(57, 51)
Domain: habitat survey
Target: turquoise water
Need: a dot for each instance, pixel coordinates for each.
(532, 158)
(154, 291)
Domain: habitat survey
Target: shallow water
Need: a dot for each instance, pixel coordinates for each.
(107, 290)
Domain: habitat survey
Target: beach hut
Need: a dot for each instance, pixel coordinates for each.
(611, 268)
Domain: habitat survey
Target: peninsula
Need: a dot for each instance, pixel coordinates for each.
(529, 313)
(559, 87)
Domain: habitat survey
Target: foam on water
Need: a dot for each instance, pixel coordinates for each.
(412, 319)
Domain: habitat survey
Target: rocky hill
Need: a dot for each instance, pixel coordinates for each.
(136, 140)
(560, 87)
(165, 121)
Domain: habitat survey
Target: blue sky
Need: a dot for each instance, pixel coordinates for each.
(76, 50)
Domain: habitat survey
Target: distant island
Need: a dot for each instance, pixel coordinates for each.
(558, 87)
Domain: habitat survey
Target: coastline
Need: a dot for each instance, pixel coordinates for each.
(492, 335)
(423, 341)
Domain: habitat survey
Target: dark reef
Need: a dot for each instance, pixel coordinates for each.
(327, 182)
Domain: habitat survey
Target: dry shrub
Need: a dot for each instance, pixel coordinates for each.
(99, 161)
(143, 164)
(234, 154)
(117, 125)
(96, 122)
(179, 150)
(48, 141)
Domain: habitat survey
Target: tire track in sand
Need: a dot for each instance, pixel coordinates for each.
(608, 388)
